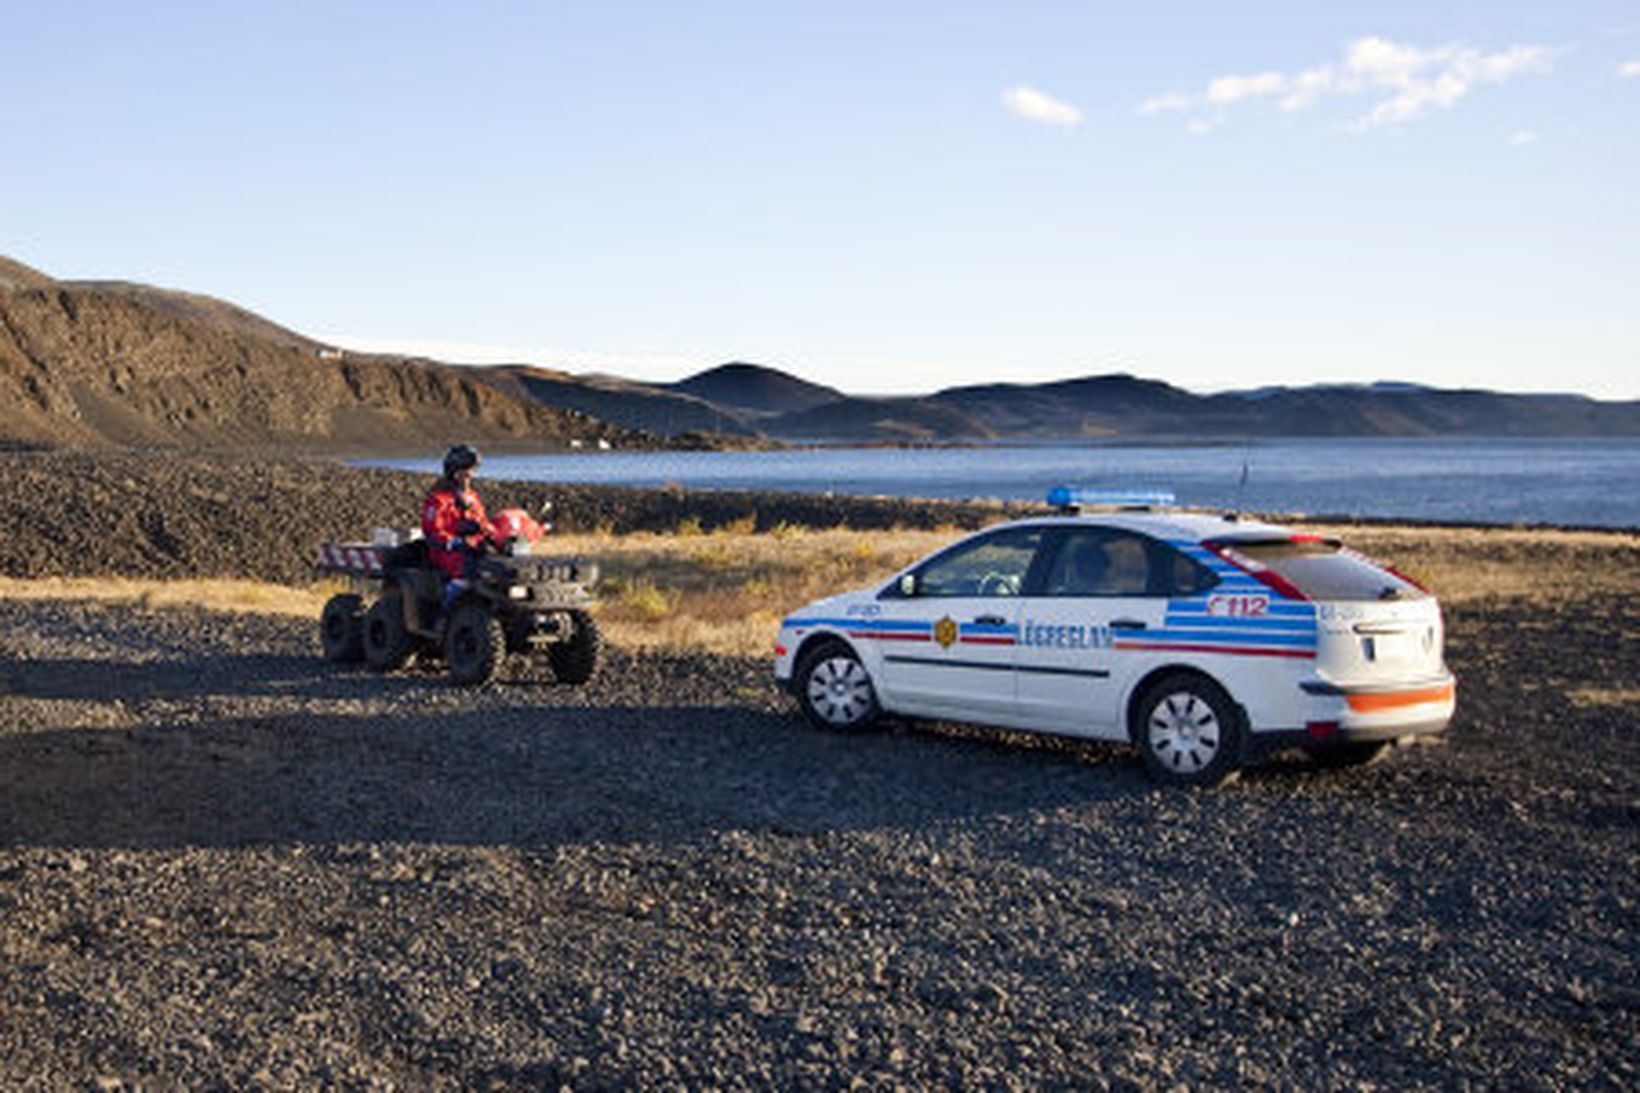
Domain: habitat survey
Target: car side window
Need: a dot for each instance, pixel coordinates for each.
(1099, 562)
(1184, 576)
(1094, 561)
(994, 565)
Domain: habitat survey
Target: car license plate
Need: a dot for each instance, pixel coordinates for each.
(1387, 648)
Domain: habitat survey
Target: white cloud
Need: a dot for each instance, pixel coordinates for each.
(1307, 87)
(1034, 105)
(1229, 89)
(1522, 137)
(1173, 100)
(1629, 68)
(1403, 82)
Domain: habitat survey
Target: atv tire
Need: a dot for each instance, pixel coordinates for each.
(474, 644)
(388, 646)
(575, 659)
(341, 629)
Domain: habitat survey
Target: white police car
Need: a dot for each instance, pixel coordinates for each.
(1204, 640)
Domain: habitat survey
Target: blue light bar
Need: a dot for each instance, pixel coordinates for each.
(1075, 497)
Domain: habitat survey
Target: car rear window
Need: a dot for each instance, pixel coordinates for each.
(1324, 569)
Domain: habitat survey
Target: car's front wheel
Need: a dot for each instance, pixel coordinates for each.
(835, 689)
(1188, 731)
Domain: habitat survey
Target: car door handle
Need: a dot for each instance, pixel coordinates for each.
(1129, 624)
(990, 620)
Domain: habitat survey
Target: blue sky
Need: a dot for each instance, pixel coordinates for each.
(886, 197)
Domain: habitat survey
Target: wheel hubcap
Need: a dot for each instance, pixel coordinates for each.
(839, 690)
(1184, 732)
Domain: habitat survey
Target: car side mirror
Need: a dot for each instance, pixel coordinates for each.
(908, 585)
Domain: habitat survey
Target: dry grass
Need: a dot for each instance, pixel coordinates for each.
(1588, 697)
(725, 591)
(235, 597)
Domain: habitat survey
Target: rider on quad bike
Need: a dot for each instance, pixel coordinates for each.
(471, 591)
(453, 520)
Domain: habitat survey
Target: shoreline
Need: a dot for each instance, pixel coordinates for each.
(210, 515)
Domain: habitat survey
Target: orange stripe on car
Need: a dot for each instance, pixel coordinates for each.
(1393, 700)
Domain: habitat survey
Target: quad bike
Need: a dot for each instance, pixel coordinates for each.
(516, 603)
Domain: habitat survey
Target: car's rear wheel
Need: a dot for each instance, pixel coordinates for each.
(835, 690)
(387, 643)
(341, 629)
(1188, 731)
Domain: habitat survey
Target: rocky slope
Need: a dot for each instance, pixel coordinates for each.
(181, 515)
(101, 363)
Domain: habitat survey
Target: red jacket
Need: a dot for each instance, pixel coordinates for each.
(441, 518)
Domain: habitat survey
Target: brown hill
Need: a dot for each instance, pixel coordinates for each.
(756, 388)
(645, 407)
(109, 363)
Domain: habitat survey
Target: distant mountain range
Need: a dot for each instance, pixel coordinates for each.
(100, 363)
(755, 400)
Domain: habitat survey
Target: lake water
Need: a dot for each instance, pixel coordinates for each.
(1581, 481)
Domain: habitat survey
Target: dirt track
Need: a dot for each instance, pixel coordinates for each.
(223, 862)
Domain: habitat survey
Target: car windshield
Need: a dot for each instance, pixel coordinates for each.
(1323, 569)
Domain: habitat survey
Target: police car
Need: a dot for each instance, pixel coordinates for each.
(1204, 640)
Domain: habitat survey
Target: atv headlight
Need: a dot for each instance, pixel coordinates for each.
(518, 592)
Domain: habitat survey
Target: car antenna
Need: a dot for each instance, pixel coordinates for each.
(1241, 486)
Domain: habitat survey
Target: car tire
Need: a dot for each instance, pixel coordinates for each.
(474, 645)
(387, 644)
(576, 659)
(1357, 753)
(835, 690)
(341, 629)
(1188, 731)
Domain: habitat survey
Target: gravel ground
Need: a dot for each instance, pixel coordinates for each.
(226, 863)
